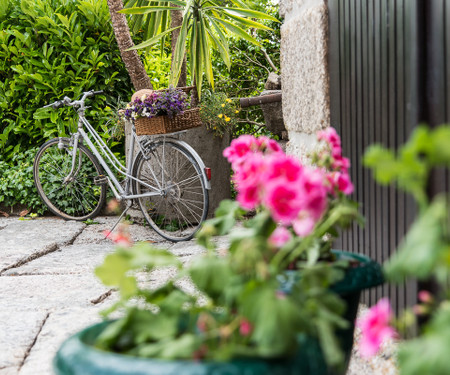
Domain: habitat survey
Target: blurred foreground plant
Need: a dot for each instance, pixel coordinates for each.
(245, 304)
(424, 253)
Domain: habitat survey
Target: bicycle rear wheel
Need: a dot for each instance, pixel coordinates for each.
(79, 198)
(181, 205)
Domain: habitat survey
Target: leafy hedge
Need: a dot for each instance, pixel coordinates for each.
(16, 182)
(50, 49)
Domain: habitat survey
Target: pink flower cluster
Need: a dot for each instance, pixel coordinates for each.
(375, 328)
(296, 195)
(339, 178)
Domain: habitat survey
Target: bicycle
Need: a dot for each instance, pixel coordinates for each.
(166, 177)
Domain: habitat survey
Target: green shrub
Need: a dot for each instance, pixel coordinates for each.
(218, 112)
(16, 182)
(51, 49)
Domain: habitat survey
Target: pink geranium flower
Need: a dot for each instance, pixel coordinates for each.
(303, 225)
(251, 171)
(330, 136)
(248, 196)
(340, 163)
(268, 145)
(283, 200)
(245, 328)
(283, 166)
(314, 190)
(342, 182)
(280, 236)
(425, 296)
(239, 148)
(375, 328)
(120, 237)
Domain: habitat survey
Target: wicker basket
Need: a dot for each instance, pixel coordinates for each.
(163, 124)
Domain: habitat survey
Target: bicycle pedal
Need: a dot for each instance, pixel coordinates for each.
(100, 180)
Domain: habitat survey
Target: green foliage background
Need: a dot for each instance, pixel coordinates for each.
(250, 69)
(55, 48)
(50, 49)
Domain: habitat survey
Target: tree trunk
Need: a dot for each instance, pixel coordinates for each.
(131, 59)
(176, 20)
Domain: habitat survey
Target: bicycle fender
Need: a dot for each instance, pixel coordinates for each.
(197, 159)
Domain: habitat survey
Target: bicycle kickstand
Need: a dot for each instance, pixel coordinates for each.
(129, 204)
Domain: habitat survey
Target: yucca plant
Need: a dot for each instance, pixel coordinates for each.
(206, 25)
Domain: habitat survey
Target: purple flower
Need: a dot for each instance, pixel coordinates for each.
(160, 103)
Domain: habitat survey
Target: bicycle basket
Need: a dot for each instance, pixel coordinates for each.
(190, 118)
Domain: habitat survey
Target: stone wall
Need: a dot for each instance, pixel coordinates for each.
(304, 72)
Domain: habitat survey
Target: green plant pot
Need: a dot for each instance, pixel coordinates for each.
(78, 356)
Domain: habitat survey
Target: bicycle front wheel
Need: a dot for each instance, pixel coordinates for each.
(181, 203)
(78, 197)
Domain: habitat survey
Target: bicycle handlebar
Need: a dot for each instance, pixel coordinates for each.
(68, 102)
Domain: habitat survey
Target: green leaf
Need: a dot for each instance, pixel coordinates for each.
(178, 348)
(41, 113)
(206, 53)
(210, 274)
(251, 13)
(237, 31)
(383, 163)
(248, 23)
(440, 150)
(153, 40)
(146, 10)
(64, 20)
(180, 49)
(181, 347)
(428, 354)
(423, 246)
(275, 320)
(113, 272)
(4, 5)
(145, 255)
(330, 346)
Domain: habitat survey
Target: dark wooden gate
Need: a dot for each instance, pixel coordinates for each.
(388, 63)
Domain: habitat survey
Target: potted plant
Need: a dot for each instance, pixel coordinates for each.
(278, 301)
(218, 112)
(423, 255)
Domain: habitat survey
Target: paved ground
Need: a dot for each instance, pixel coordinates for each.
(48, 290)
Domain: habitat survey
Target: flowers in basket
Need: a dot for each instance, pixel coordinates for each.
(244, 306)
(168, 102)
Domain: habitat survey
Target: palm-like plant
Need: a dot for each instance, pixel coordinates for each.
(206, 25)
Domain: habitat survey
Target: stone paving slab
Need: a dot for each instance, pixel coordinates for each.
(20, 240)
(93, 233)
(73, 259)
(18, 331)
(9, 371)
(48, 292)
(57, 328)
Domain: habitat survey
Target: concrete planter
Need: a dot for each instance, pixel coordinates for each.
(78, 356)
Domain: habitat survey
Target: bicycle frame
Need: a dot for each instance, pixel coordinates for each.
(120, 192)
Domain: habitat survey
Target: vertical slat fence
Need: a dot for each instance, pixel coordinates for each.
(374, 84)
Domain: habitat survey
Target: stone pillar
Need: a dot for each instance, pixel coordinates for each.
(304, 72)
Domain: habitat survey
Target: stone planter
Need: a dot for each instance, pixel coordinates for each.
(77, 355)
